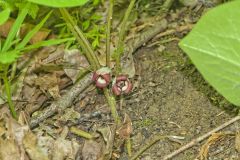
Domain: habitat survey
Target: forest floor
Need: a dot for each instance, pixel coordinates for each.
(169, 99)
(170, 103)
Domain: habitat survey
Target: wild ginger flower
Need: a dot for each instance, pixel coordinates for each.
(102, 77)
(121, 85)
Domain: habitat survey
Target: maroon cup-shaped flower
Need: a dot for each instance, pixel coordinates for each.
(121, 85)
(102, 77)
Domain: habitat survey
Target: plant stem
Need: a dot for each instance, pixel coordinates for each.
(112, 104)
(108, 34)
(81, 133)
(120, 44)
(9, 94)
(92, 58)
(129, 146)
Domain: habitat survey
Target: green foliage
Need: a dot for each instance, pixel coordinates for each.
(15, 28)
(60, 3)
(4, 15)
(214, 47)
(13, 47)
(9, 57)
(150, 7)
(89, 21)
(32, 11)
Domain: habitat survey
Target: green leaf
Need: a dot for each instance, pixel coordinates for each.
(60, 3)
(15, 28)
(9, 57)
(86, 25)
(4, 15)
(33, 9)
(214, 47)
(30, 34)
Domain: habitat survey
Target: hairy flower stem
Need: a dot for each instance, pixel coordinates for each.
(108, 34)
(122, 32)
(112, 104)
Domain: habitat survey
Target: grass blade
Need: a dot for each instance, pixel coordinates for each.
(30, 34)
(15, 28)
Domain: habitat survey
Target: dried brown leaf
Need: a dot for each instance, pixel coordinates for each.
(9, 150)
(49, 83)
(211, 140)
(64, 149)
(108, 135)
(53, 56)
(92, 151)
(39, 36)
(128, 66)
(125, 130)
(31, 147)
(74, 58)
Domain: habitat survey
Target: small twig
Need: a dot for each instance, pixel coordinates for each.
(62, 103)
(201, 138)
(108, 34)
(134, 44)
(144, 148)
(186, 27)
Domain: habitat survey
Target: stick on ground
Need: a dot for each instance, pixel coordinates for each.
(62, 103)
(199, 139)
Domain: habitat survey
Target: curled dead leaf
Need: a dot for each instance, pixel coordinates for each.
(211, 140)
(92, 150)
(31, 147)
(125, 130)
(9, 150)
(76, 59)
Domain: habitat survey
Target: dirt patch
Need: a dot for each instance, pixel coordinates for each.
(167, 103)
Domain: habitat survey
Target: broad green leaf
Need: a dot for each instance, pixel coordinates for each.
(30, 34)
(214, 47)
(4, 15)
(15, 28)
(9, 57)
(60, 3)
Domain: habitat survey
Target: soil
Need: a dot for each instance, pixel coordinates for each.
(168, 103)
